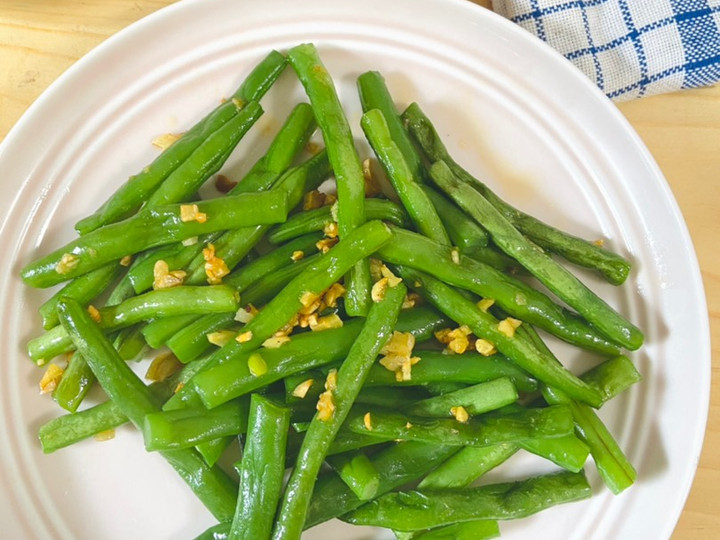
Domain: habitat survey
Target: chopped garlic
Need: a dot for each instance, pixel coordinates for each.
(367, 420)
(126, 260)
(244, 337)
(325, 407)
(331, 229)
(165, 140)
(400, 343)
(215, 267)
(191, 241)
(51, 378)
(164, 278)
(455, 255)
(246, 314)
(377, 293)
(313, 199)
(301, 390)
(94, 313)
(508, 326)
(276, 342)
(325, 244)
(331, 380)
(393, 280)
(332, 294)
(485, 304)
(326, 323)
(68, 262)
(485, 347)
(106, 435)
(191, 212)
(297, 255)
(460, 414)
(162, 366)
(221, 337)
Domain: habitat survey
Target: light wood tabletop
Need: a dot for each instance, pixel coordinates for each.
(39, 39)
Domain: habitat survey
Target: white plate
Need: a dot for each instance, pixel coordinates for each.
(511, 109)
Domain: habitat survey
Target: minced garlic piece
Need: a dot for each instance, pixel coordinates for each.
(377, 293)
(246, 314)
(326, 323)
(304, 321)
(94, 313)
(485, 304)
(325, 407)
(191, 241)
(164, 278)
(331, 380)
(325, 244)
(106, 435)
(244, 337)
(411, 299)
(367, 420)
(599, 242)
(68, 262)
(313, 199)
(165, 140)
(162, 366)
(257, 365)
(401, 365)
(191, 212)
(179, 387)
(334, 211)
(332, 294)
(508, 326)
(460, 414)
(126, 260)
(215, 267)
(297, 255)
(301, 390)
(408, 425)
(456, 340)
(455, 255)
(485, 347)
(239, 103)
(393, 280)
(221, 337)
(400, 343)
(51, 378)
(417, 284)
(313, 148)
(331, 229)
(275, 342)
(330, 200)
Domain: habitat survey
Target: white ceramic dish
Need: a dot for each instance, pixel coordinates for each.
(511, 109)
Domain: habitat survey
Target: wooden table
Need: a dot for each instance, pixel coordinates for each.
(41, 39)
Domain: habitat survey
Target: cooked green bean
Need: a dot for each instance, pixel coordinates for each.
(261, 470)
(315, 220)
(484, 325)
(417, 203)
(342, 388)
(515, 297)
(470, 463)
(357, 471)
(464, 233)
(213, 487)
(480, 529)
(344, 159)
(475, 399)
(153, 227)
(131, 195)
(611, 265)
(424, 509)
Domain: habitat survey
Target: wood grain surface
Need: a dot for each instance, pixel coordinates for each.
(40, 39)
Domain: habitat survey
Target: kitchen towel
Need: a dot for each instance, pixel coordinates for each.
(629, 48)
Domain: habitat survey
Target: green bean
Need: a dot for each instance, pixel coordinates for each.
(480, 529)
(260, 292)
(470, 463)
(374, 94)
(611, 377)
(157, 332)
(130, 342)
(468, 368)
(206, 160)
(344, 159)
(376, 331)
(397, 466)
(75, 383)
(357, 471)
(555, 277)
(611, 265)
(236, 244)
(159, 303)
(211, 485)
(417, 203)
(130, 196)
(84, 289)
(312, 281)
(152, 227)
(261, 470)
(514, 296)
(315, 220)
(192, 341)
(475, 399)
(464, 233)
(484, 325)
(184, 428)
(477, 431)
(423, 509)
(568, 452)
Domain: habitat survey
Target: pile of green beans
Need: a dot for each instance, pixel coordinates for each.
(382, 353)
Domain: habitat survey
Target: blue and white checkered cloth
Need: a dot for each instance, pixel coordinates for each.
(629, 48)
